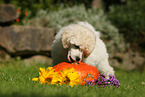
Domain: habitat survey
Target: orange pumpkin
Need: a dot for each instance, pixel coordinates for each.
(85, 71)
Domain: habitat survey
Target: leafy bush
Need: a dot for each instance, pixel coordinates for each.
(130, 19)
(97, 18)
(32, 5)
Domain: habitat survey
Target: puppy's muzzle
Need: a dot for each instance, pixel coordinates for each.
(77, 59)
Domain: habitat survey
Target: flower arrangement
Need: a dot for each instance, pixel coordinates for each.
(66, 76)
(85, 71)
(102, 81)
(75, 74)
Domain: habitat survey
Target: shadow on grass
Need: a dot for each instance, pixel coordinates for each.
(15, 94)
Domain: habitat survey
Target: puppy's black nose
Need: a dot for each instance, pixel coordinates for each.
(77, 58)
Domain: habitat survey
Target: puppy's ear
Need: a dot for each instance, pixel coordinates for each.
(86, 54)
(65, 41)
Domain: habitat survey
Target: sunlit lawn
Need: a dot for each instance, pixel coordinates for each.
(16, 81)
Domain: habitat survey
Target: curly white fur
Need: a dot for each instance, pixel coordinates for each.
(80, 42)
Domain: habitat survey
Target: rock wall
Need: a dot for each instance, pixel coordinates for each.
(26, 40)
(8, 14)
(29, 43)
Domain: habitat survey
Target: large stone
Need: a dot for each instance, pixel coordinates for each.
(38, 59)
(4, 55)
(26, 40)
(8, 13)
(127, 61)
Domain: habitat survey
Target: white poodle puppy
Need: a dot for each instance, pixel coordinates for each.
(80, 42)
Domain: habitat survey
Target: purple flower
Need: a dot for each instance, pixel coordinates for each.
(103, 82)
(90, 82)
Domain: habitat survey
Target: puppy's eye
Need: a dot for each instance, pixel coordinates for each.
(76, 46)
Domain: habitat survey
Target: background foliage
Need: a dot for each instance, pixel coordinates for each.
(50, 5)
(130, 20)
(96, 17)
(126, 15)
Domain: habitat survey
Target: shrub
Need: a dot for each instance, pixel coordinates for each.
(130, 19)
(32, 5)
(60, 18)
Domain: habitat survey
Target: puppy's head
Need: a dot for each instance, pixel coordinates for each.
(79, 40)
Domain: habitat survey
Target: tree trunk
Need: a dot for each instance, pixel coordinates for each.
(97, 3)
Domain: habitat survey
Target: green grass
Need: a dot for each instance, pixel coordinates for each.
(16, 81)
